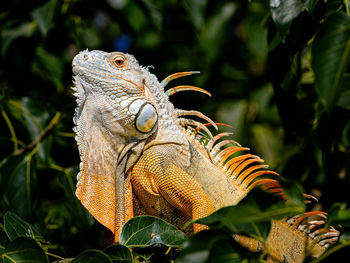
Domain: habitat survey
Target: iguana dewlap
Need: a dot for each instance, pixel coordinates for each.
(139, 155)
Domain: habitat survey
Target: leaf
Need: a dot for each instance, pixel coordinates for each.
(49, 67)
(3, 241)
(34, 117)
(92, 256)
(233, 113)
(17, 227)
(119, 253)
(24, 250)
(136, 17)
(294, 193)
(256, 37)
(252, 215)
(76, 211)
(90, 38)
(211, 246)
(343, 99)
(145, 231)
(330, 56)
(10, 35)
(283, 13)
(309, 5)
(196, 9)
(337, 214)
(16, 180)
(212, 35)
(154, 14)
(266, 143)
(44, 16)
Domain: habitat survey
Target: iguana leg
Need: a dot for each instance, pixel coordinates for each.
(154, 178)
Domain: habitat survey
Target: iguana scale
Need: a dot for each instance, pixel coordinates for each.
(141, 156)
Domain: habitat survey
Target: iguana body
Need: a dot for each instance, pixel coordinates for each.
(140, 156)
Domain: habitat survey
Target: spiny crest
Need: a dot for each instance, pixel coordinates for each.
(241, 169)
(246, 170)
(79, 93)
(312, 224)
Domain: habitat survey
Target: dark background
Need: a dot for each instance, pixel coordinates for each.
(281, 82)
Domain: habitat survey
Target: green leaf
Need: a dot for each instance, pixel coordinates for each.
(155, 14)
(196, 9)
(309, 5)
(256, 36)
(90, 38)
(136, 17)
(92, 256)
(294, 193)
(283, 13)
(145, 231)
(24, 250)
(3, 241)
(211, 246)
(233, 113)
(119, 253)
(16, 176)
(44, 16)
(49, 67)
(212, 35)
(330, 56)
(252, 215)
(76, 211)
(17, 227)
(34, 117)
(266, 143)
(344, 93)
(10, 35)
(337, 214)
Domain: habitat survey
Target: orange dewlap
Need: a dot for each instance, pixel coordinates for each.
(98, 193)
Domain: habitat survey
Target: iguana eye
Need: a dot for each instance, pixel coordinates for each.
(146, 118)
(119, 61)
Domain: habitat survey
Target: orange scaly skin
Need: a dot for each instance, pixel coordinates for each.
(139, 156)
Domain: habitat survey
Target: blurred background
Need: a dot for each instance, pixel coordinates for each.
(277, 72)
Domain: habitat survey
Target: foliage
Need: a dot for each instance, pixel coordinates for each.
(278, 72)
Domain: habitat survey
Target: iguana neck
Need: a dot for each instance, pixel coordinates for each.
(103, 181)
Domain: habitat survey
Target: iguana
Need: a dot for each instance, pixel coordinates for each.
(141, 156)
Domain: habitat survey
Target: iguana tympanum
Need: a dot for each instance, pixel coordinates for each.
(140, 156)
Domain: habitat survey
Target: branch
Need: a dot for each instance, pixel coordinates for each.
(41, 136)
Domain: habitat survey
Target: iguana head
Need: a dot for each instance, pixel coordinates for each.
(119, 84)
